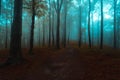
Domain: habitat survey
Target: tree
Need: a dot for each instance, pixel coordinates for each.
(32, 28)
(65, 23)
(15, 55)
(115, 45)
(39, 37)
(0, 6)
(49, 43)
(101, 36)
(43, 32)
(6, 36)
(57, 7)
(53, 16)
(80, 31)
(36, 8)
(89, 32)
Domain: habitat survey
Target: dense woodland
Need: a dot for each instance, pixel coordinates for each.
(57, 23)
(59, 39)
(50, 22)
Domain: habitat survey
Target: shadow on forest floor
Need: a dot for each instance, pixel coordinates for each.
(65, 64)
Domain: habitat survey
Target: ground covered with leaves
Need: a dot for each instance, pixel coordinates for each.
(65, 64)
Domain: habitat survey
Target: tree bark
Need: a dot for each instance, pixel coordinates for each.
(0, 7)
(32, 28)
(58, 30)
(115, 31)
(65, 23)
(6, 35)
(80, 31)
(89, 32)
(39, 37)
(49, 43)
(43, 34)
(101, 38)
(15, 55)
(58, 9)
(53, 30)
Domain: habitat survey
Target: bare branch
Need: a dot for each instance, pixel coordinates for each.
(60, 4)
(55, 6)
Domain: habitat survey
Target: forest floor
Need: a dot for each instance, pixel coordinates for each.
(69, 63)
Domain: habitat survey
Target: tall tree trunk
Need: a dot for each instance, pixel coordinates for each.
(58, 26)
(58, 9)
(15, 55)
(92, 31)
(49, 43)
(39, 37)
(65, 23)
(115, 43)
(58, 30)
(32, 28)
(98, 25)
(6, 35)
(80, 31)
(43, 33)
(101, 38)
(68, 40)
(89, 32)
(0, 6)
(53, 30)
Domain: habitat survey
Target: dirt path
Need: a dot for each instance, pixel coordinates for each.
(58, 67)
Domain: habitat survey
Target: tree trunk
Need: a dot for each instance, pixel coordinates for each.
(101, 38)
(0, 7)
(115, 43)
(92, 31)
(58, 9)
(32, 28)
(53, 30)
(58, 31)
(43, 34)
(65, 25)
(49, 43)
(68, 35)
(15, 55)
(80, 31)
(89, 32)
(39, 37)
(6, 36)
(98, 25)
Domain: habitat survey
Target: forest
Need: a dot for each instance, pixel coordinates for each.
(59, 39)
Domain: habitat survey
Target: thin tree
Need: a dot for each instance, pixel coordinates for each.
(57, 7)
(101, 36)
(43, 44)
(0, 6)
(89, 32)
(115, 43)
(53, 16)
(32, 28)
(36, 8)
(80, 31)
(39, 36)
(6, 30)
(49, 43)
(6, 35)
(15, 55)
(98, 33)
(92, 31)
(65, 23)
